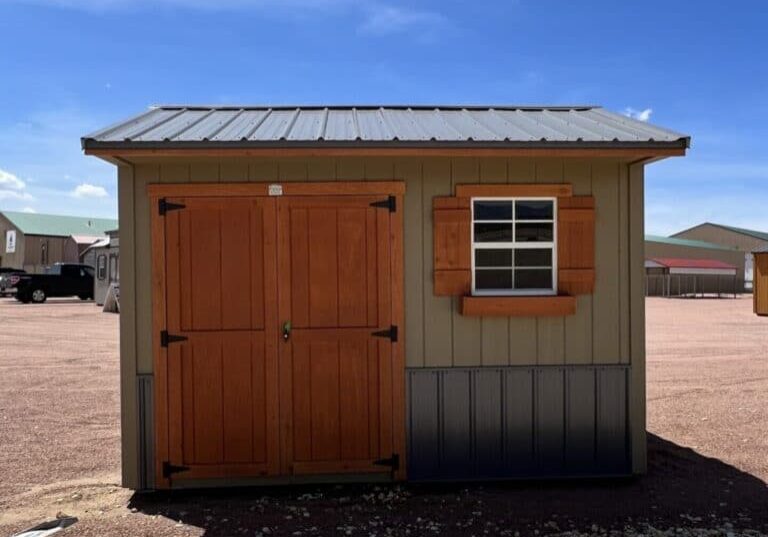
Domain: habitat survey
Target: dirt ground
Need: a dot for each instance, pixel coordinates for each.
(708, 447)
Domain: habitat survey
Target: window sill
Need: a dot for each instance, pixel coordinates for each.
(518, 306)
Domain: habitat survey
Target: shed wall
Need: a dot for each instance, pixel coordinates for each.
(16, 259)
(33, 252)
(761, 284)
(608, 327)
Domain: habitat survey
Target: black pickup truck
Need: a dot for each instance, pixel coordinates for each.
(61, 279)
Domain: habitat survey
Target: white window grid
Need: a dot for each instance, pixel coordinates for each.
(513, 245)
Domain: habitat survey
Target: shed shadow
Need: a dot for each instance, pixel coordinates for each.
(682, 488)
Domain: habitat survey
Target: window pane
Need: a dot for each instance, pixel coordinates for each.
(534, 210)
(493, 257)
(493, 210)
(533, 257)
(534, 233)
(533, 279)
(493, 279)
(493, 232)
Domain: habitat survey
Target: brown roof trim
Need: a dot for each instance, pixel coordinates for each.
(549, 150)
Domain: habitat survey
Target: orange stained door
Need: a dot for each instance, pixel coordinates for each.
(221, 381)
(336, 372)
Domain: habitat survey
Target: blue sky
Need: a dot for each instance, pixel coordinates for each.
(72, 66)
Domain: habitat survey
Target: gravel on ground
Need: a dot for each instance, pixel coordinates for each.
(708, 447)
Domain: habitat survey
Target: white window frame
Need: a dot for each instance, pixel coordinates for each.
(101, 267)
(515, 245)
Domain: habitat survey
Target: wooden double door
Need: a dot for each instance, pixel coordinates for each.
(278, 356)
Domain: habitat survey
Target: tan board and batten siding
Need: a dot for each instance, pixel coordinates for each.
(608, 327)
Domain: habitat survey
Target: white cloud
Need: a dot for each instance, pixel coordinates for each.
(14, 195)
(640, 115)
(87, 190)
(8, 181)
(12, 188)
(28, 210)
(385, 19)
(376, 18)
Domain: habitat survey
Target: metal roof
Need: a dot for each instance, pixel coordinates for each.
(58, 226)
(687, 242)
(400, 125)
(676, 262)
(762, 235)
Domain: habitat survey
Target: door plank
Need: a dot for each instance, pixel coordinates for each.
(353, 310)
(205, 282)
(237, 393)
(207, 386)
(299, 245)
(324, 392)
(353, 400)
(323, 268)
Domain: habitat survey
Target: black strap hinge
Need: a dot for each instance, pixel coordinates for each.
(164, 206)
(170, 469)
(390, 333)
(389, 203)
(393, 462)
(166, 338)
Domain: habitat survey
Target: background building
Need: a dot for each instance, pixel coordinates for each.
(104, 256)
(744, 240)
(657, 247)
(33, 241)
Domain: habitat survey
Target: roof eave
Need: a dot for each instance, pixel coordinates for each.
(358, 147)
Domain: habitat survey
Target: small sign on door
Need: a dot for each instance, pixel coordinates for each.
(275, 190)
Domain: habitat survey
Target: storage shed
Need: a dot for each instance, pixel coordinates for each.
(760, 296)
(381, 292)
(104, 256)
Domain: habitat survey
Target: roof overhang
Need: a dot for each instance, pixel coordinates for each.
(342, 149)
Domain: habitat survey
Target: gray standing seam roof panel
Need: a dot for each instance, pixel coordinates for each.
(200, 126)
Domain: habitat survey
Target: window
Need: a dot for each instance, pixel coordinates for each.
(513, 246)
(101, 266)
(113, 268)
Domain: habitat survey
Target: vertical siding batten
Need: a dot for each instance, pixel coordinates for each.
(637, 387)
(606, 314)
(578, 327)
(466, 332)
(129, 437)
(411, 171)
(551, 330)
(624, 203)
(437, 309)
(144, 175)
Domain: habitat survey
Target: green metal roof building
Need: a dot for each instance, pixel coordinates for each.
(743, 239)
(677, 247)
(31, 241)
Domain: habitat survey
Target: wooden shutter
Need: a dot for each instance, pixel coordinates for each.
(452, 246)
(576, 245)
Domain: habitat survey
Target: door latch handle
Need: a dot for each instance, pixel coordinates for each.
(286, 330)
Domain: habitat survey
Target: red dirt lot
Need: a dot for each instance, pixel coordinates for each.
(708, 447)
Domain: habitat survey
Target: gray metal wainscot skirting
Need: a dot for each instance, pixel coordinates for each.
(517, 422)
